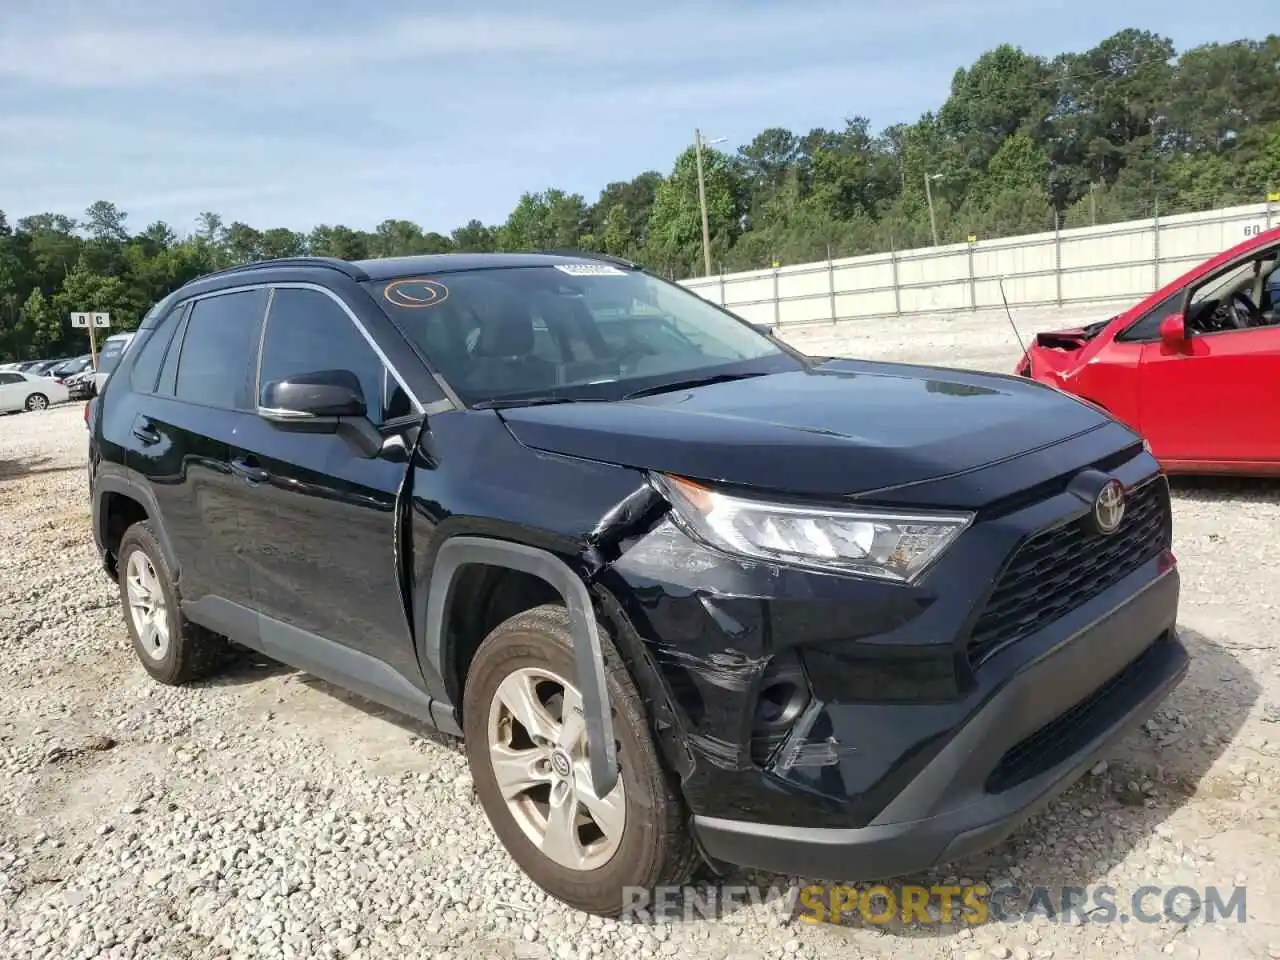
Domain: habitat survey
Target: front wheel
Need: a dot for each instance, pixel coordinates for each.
(526, 745)
(37, 401)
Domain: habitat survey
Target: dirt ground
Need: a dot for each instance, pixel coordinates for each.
(265, 814)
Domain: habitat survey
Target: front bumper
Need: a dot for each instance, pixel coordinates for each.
(927, 721)
(1028, 744)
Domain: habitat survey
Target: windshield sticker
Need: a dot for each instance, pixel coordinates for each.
(590, 270)
(416, 293)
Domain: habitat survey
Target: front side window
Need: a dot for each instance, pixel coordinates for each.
(308, 332)
(1236, 298)
(570, 330)
(220, 340)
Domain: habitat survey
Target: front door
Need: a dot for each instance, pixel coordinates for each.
(320, 533)
(1215, 397)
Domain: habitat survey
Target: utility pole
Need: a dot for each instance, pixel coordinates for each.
(928, 192)
(702, 202)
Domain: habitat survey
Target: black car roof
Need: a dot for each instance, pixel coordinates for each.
(379, 269)
(388, 268)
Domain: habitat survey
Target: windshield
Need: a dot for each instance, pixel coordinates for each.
(573, 331)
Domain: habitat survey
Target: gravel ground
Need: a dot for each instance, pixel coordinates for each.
(266, 814)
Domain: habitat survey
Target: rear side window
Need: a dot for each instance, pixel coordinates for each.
(307, 332)
(146, 367)
(12, 378)
(217, 350)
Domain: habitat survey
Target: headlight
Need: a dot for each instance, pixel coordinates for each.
(869, 543)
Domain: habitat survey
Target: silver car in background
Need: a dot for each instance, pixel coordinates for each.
(113, 349)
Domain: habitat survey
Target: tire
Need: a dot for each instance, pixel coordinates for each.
(180, 651)
(37, 401)
(653, 846)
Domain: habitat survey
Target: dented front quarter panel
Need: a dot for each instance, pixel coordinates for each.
(1052, 364)
(714, 623)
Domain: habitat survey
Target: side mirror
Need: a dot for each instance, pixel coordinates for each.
(322, 396)
(324, 401)
(765, 328)
(1173, 330)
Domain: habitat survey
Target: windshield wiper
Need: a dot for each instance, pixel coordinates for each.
(530, 402)
(692, 382)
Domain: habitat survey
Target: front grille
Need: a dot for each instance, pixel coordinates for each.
(1059, 569)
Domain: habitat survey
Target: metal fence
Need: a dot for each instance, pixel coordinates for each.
(1114, 262)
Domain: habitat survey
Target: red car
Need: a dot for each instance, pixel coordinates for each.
(1194, 368)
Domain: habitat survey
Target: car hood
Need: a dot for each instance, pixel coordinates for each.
(1070, 337)
(840, 428)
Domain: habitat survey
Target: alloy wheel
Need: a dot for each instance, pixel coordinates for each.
(147, 606)
(537, 748)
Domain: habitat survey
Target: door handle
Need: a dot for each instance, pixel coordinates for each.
(146, 433)
(250, 472)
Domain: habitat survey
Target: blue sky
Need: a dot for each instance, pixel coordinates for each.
(292, 113)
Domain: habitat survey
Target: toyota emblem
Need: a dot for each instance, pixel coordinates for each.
(1108, 508)
(560, 764)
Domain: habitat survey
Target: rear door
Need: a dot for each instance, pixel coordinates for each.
(182, 434)
(320, 527)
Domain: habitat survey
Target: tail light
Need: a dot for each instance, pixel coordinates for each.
(88, 405)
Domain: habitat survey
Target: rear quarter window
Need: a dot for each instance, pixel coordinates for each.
(149, 352)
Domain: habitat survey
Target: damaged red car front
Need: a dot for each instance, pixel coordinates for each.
(1053, 354)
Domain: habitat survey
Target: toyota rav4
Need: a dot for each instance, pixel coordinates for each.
(685, 593)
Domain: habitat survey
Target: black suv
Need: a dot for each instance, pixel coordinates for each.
(686, 593)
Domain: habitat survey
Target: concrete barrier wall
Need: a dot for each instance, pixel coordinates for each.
(1117, 262)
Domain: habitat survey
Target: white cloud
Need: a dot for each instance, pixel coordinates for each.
(112, 53)
(157, 107)
(152, 170)
(750, 88)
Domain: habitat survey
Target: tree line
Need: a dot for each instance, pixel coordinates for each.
(1022, 143)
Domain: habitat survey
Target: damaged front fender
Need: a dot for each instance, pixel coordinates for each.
(459, 551)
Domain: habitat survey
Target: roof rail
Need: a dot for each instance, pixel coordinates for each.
(329, 263)
(589, 255)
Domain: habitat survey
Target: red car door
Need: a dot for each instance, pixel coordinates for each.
(1214, 399)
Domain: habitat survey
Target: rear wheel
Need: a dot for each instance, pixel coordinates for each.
(526, 745)
(172, 649)
(37, 401)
